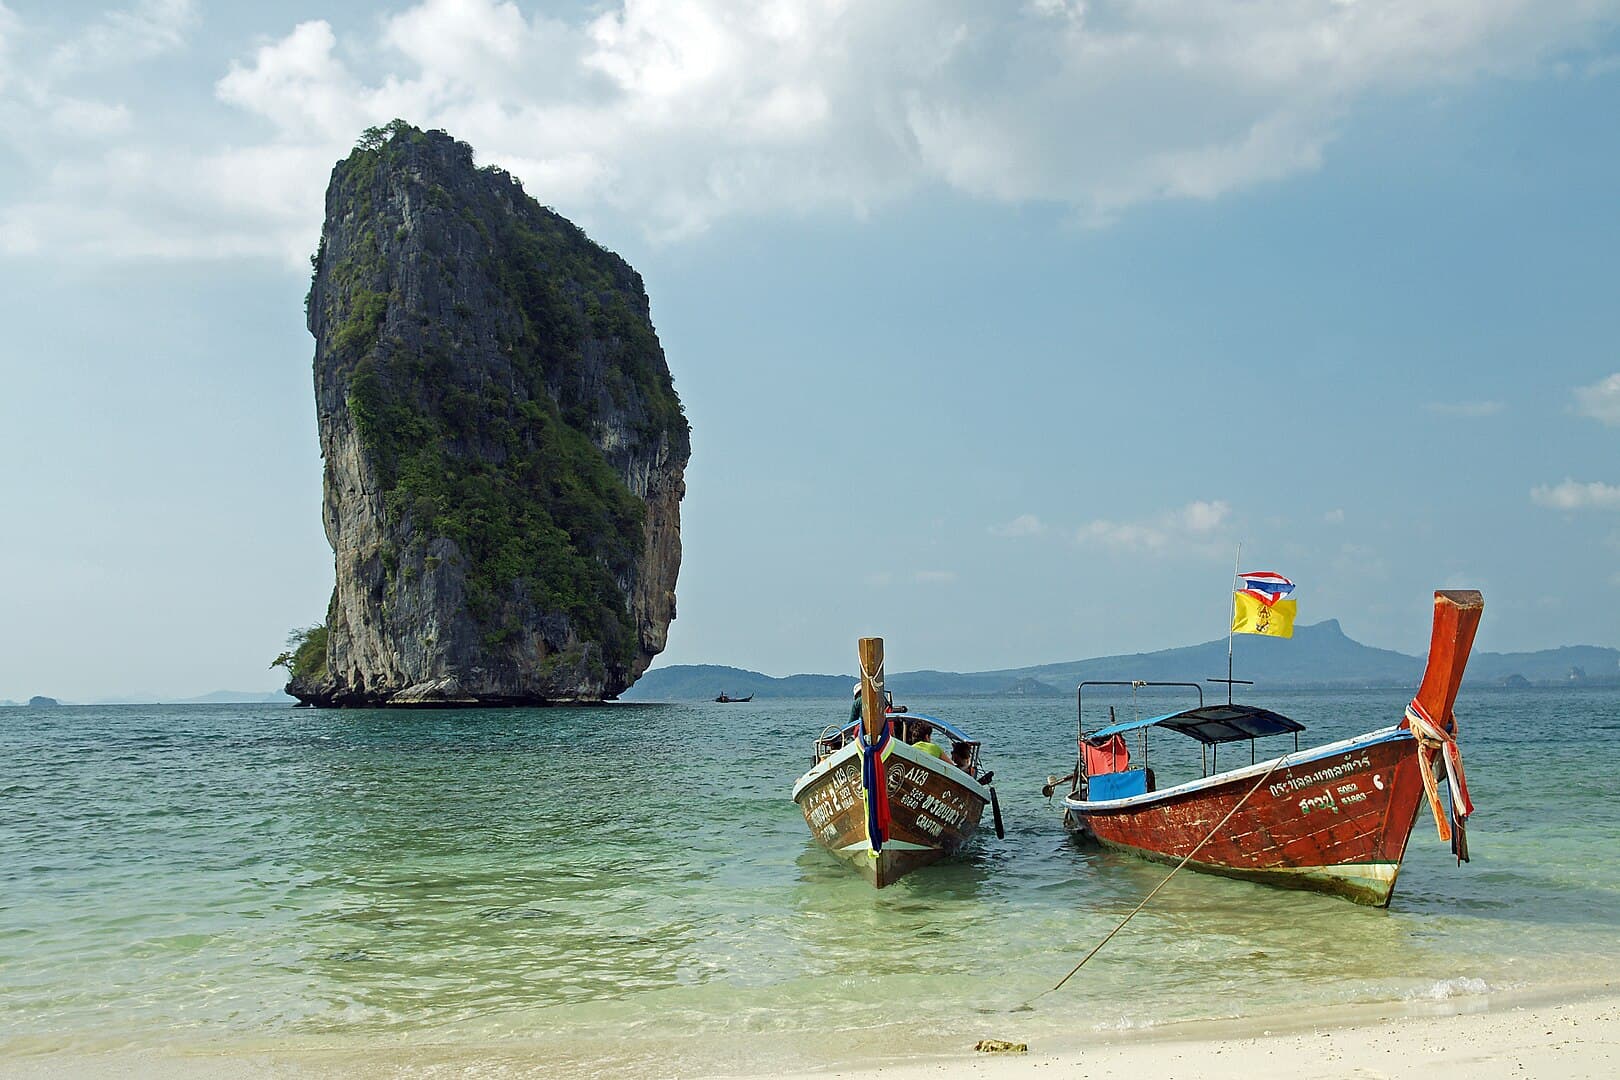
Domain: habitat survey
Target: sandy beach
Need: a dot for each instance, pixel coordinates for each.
(1563, 1034)
(1533, 1035)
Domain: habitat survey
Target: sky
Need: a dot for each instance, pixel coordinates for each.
(999, 325)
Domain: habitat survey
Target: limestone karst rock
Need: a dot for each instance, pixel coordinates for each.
(505, 452)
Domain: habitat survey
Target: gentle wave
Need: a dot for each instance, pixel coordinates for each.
(1446, 989)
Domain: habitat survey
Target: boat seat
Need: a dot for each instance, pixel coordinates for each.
(1119, 785)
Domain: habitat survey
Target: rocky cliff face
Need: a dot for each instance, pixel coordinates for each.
(504, 449)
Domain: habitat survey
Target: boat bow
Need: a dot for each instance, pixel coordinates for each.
(1430, 717)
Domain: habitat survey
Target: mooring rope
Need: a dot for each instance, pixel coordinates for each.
(1184, 861)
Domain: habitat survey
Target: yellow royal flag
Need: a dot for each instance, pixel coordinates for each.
(1252, 615)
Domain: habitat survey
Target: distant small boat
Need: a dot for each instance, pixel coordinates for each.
(1334, 819)
(876, 796)
(725, 700)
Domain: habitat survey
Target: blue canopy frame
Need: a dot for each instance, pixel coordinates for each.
(1210, 724)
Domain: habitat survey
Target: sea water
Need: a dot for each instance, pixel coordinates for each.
(631, 887)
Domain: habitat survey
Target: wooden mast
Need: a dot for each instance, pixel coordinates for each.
(873, 712)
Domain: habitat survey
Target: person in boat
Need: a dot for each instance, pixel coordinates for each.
(921, 736)
(962, 758)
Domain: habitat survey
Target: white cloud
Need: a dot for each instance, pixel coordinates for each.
(1125, 535)
(1203, 517)
(146, 29)
(679, 112)
(1190, 527)
(1468, 409)
(28, 97)
(299, 86)
(1601, 400)
(1334, 517)
(1022, 525)
(1574, 495)
(223, 205)
(63, 192)
(472, 40)
(89, 119)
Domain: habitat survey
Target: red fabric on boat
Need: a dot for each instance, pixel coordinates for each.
(1111, 757)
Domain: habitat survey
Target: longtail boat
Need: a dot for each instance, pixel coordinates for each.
(1334, 818)
(882, 795)
(726, 699)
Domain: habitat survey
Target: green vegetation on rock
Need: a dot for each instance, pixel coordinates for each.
(359, 332)
(305, 655)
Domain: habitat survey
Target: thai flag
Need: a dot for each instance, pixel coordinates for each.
(1265, 586)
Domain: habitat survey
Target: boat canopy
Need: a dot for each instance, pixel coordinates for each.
(1208, 724)
(956, 733)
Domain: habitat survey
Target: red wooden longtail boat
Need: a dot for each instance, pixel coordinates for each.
(1333, 818)
(876, 799)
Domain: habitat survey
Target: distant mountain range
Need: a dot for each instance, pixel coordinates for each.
(238, 697)
(217, 697)
(1320, 655)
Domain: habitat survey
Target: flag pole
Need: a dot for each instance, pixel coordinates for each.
(1237, 564)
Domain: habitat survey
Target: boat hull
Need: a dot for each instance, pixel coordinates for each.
(1335, 819)
(934, 809)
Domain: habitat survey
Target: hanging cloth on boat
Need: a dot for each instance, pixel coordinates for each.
(875, 786)
(1111, 757)
(1439, 743)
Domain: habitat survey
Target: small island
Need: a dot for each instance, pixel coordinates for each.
(505, 451)
(41, 702)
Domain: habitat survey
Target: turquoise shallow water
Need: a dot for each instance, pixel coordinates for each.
(631, 887)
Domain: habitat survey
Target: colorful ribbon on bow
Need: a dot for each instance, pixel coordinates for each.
(875, 787)
(1436, 742)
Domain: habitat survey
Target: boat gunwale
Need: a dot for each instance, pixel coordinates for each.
(1393, 733)
(908, 753)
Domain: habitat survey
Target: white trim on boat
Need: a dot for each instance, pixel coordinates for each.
(826, 765)
(1355, 871)
(1298, 758)
(863, 844)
